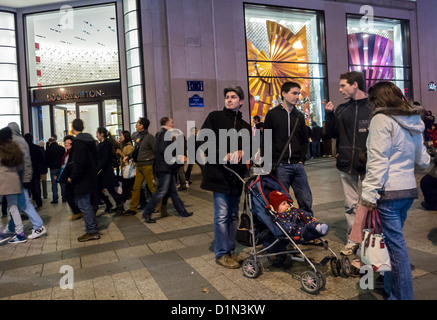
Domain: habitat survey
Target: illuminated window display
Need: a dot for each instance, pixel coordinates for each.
(285, 45)
(379, 49)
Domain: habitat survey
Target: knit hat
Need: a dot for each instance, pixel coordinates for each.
(276, 198)
(6, 133)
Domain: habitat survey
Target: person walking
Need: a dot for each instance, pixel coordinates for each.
(166, 172)
(226, 187)
(394, 147)
(143, 155)
(25, 174)
(286, 120)
(126, 148)
(105, 171)
(348, 123)
(10, 185)
(84, 178)
(63, 178)
(54, 154)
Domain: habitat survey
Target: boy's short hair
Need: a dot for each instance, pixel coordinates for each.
(78, 125)
(354, 76)
(145, 122)
(286, 86)
(164, 120)
(237, 90)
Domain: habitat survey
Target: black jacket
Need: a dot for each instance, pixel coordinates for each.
(349, 123)
(37, 158)
(216, 178)
(84, 169)
(104, 169)
(54, 154)
(160, 165)
(281, 124)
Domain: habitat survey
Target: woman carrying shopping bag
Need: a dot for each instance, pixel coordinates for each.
(394, 147)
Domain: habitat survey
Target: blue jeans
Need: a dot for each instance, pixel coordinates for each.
(225, 223)
(34, 217)
(53, 173)
(166, 186)
(83, 202)
(398, 282)
(294, 175)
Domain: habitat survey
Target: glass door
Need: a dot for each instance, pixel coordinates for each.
(91, 115)
(60, 122)
(41, 123)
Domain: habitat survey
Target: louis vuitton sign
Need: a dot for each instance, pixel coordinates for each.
(74, 93)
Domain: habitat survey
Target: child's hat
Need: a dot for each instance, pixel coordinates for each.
(276, 198)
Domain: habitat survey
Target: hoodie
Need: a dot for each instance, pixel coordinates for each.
(394, 147)
(24, 170)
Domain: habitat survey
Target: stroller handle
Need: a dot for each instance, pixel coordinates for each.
(230, 170)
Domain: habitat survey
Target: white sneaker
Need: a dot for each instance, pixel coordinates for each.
(38, 232)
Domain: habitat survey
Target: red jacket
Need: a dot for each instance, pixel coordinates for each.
(433, 136)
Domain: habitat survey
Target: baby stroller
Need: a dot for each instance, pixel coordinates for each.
(256, 190)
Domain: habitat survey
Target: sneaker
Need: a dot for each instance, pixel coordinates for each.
(88, 237)
(19, 238)
(38, 232)
(187, 184)
(349, 249)
(227, 262)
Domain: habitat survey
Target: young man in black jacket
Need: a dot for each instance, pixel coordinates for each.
(349, 123)
(285, 120)
(226, 187)
(84, 178)
(54, 154)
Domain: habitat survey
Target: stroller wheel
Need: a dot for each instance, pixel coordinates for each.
(345, 266)
(310, 282)
(322, 278)
(251, 269)
(335, 267)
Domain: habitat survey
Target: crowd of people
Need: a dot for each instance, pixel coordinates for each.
(380, 138)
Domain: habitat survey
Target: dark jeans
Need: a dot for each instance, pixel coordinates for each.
(35, 190)
(166, 184)
(69, 196)
(53, 173)
(294, 175)
(83, 202)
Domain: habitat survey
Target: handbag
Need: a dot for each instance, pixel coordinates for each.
(374, 252)
(356, 234)
(129, 170)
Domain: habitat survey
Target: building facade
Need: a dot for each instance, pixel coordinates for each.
(110, 62)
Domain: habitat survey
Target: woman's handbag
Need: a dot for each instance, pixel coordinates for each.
(374, 252)
(129, 170)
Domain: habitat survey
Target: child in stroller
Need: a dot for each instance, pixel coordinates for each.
(300, 225)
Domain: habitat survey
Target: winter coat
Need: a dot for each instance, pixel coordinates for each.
(349, 125)
(128, 148)
(54, 154)
(105, 171)
(216, 178)
(172, 165)
(394, 147)
(43, 168)
(144, 148)
(24, 170)
(10, 181)
(37, 160)
(281, 123)
(83, 156)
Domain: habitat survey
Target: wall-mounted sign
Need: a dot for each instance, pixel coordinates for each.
(195, 85)
(195, 101)
(100, 91)
(432, 86)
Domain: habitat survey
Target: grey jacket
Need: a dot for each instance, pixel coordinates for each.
(25, 170)
(394, 148)
(145, 145)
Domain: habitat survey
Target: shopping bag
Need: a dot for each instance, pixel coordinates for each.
(374, 252)
(129, 170)
(356, 234)
(243, 235)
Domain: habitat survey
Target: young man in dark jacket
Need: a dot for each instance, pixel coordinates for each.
(349, 123)
(283, 120)
(54, 154)
(84, 178)
(226, 187)
(166, 172)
